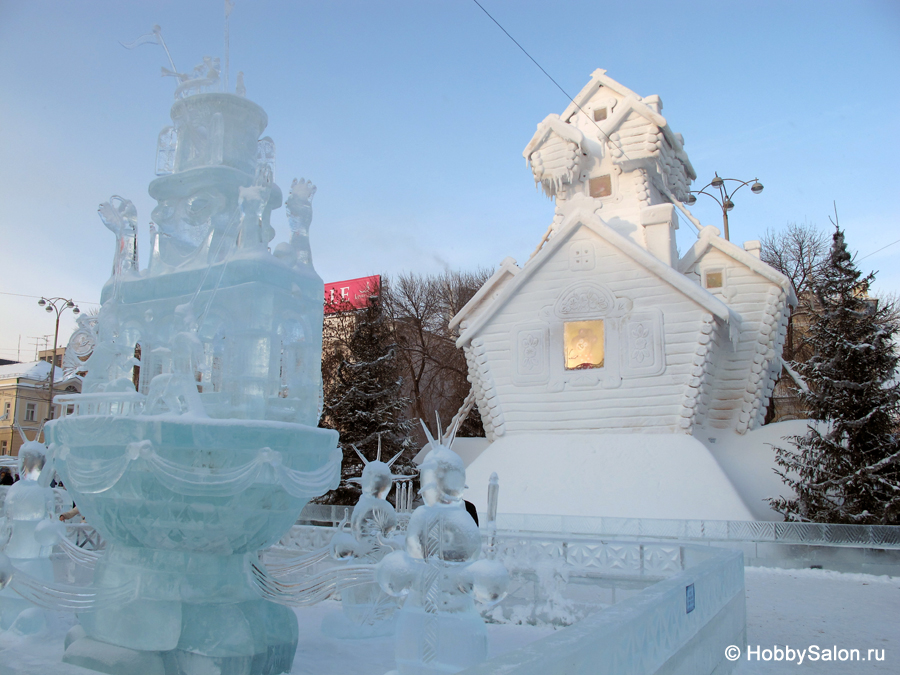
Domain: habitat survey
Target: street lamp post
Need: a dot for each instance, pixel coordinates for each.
(724, 199)
(58, 305)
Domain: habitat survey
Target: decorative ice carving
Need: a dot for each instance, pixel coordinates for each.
(27, 530)
(120, 217)
(166, 144)
(300, 213)
(367, 610)
(439, 573)
(214, 453)
(265, 161)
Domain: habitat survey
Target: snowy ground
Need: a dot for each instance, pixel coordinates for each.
(799, 608)
(785, 608)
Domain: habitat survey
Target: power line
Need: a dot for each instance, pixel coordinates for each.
(881, 249)
(21, 295)
(524, 51)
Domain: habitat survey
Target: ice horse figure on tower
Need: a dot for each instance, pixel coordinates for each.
(440, 573)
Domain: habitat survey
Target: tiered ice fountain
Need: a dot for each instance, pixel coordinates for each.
(194, 443)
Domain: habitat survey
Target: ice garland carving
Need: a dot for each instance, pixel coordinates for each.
(93, 476)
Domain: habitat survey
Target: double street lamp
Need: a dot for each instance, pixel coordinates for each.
(724, 199)
(58, 305)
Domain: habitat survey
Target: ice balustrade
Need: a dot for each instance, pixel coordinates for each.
(625, 602)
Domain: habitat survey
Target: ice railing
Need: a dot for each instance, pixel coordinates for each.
(105, 404)
(866, 536)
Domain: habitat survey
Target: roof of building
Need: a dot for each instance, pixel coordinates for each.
(578, 215)
(709, 238)
(630, 102)
(34, 370)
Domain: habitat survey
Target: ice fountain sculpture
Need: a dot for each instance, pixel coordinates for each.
(194, 443)
(27, 529)
(441, 574)
(367, 611)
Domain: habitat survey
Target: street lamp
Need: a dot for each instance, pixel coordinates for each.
(58, 305)
(724, 199)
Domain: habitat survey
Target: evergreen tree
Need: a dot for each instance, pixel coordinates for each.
(362, 394)
(846, 469)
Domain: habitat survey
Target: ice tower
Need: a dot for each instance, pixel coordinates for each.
(194, 443)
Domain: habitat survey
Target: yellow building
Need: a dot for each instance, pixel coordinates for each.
(24, 388)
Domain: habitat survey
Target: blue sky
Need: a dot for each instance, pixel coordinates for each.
(411, 117)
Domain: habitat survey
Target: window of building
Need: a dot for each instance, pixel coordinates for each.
(6, 408)
(583, 344)
(3, 448)
(715, 279)
(30, 412)
(599, 114)
(601, 186)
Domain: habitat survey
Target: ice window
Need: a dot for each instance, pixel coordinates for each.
(714, 279)
(599, 114)
(583, 342)
(30, 412)
(601, 186)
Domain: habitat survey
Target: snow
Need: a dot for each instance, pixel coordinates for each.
(614, 475)
(795, 608)
(799, 608)
(34, 370)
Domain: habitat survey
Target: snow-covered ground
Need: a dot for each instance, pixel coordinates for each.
(785, 608)
(800, 608)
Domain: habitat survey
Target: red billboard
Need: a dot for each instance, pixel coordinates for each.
(341, 296)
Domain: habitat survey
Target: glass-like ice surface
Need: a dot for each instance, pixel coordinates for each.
(194, 443)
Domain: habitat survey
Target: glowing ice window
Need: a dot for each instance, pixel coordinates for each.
(599, 114)
(601, 186)
(583, 342)
(714, 279)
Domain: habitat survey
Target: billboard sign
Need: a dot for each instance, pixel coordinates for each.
(341, 296)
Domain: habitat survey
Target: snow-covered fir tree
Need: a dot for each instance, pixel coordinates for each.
(362, 394)
(846, 469)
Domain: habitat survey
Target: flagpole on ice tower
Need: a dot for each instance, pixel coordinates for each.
(229, 5)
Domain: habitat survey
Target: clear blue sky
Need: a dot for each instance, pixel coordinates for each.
(411, 117)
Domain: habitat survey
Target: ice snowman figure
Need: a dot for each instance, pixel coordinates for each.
(367, 610)
(439, 629)
(28, 529)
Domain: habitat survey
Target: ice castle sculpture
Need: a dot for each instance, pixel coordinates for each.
(194, 443)
(441, 574)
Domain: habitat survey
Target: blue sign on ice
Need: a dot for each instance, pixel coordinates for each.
(689, 599)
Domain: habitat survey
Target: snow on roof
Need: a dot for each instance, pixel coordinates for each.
(709, 238)
(578, 214)
(506, 268)
(630, 102)
(552, 123)
(34, 370)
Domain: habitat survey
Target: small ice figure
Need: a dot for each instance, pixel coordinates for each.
(367, 610)
(120, 217)
(28, 529)
(438, 629)
(299, 213)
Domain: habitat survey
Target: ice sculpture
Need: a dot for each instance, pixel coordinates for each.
(27, 531)
(194, 443)
(440, 573)
(367, 610)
